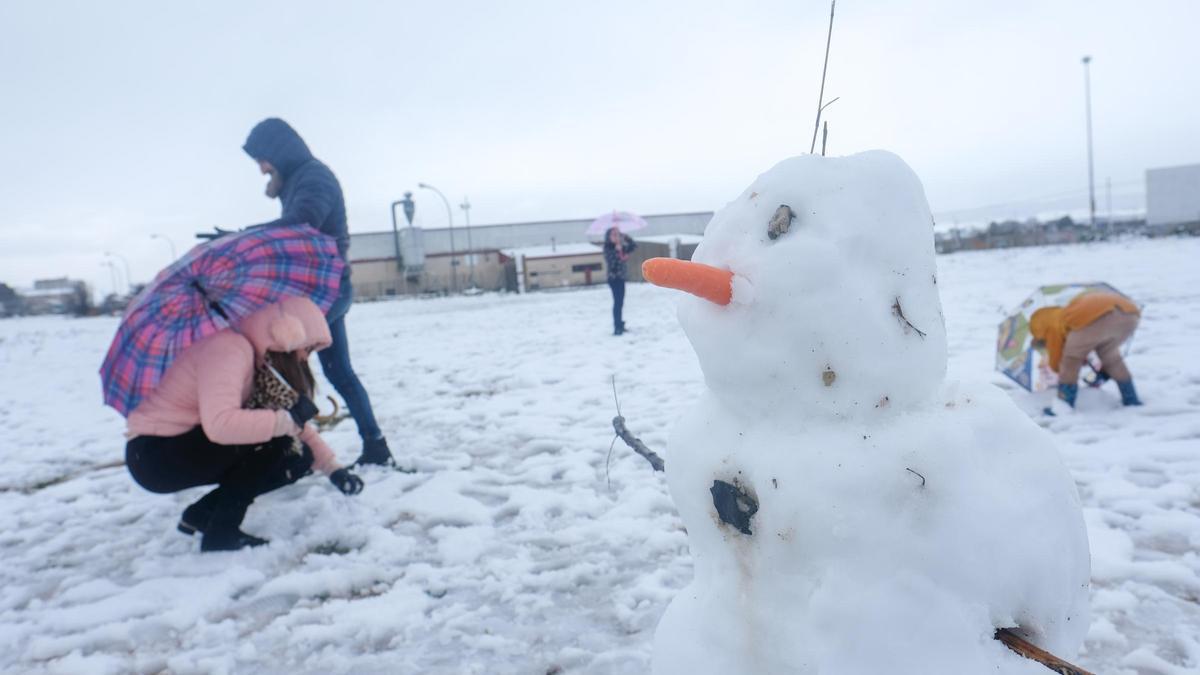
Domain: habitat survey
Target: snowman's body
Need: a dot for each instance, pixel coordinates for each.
(882, 519)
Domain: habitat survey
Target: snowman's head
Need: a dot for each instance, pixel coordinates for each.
(815, 291)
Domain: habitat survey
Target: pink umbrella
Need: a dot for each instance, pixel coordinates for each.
(622, 220)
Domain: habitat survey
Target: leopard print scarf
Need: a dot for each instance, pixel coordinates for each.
(268, 392)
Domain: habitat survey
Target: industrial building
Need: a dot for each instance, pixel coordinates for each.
(519, 257)
(1173, 199)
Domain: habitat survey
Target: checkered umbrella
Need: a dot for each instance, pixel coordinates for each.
(215, 285)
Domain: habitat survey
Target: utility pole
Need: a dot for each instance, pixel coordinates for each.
(1108, 197)
(466, 207)
(1087, 93)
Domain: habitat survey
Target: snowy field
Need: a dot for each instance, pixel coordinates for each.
(518, 546)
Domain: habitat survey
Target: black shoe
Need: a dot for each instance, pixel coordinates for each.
(196, 517)
(375, 452)
(228, 539)
(223, 530)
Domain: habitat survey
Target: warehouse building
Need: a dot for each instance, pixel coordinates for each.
(1173, 199)
(518, 257)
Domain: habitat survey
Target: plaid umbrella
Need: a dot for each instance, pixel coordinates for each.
(215, 285)
(1016, 356)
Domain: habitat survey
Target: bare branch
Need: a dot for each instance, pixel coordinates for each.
(1035, 653)
(638, 446)
(899, 313)
(821, 97)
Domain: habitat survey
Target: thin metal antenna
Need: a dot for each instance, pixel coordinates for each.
(821, 97)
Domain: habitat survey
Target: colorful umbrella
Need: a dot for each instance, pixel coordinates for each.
(1016, 356)
(622, 220)
(215, 285)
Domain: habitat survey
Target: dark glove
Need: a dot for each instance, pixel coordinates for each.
(302, 411)
(347, 482)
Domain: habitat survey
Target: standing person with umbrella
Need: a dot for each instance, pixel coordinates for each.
(210, 367)
(310, 193)
(617, 247)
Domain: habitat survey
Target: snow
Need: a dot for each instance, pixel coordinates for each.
(884, 496)
(538, 557)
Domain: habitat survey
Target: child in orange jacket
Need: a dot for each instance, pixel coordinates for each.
(1099, 322)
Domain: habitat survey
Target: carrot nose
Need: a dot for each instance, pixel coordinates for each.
(703, 281)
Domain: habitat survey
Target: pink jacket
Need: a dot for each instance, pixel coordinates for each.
(210, 382)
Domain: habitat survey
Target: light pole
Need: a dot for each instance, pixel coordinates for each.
(169, 243)
(466, 207)
(112, 274)
(450, 217)
(1087, 94)
(128, 275)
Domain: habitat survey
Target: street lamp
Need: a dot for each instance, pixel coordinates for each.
(128, 275)
(450, 217)
(1087, 93)
(112, 273)
(466, 207)
(409, 209)
(169, 243)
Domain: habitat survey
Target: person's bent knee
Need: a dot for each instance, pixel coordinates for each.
(142, 470)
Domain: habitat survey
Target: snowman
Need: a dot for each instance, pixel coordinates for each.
(849, 510)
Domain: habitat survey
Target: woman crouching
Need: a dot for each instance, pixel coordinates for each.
(221, 415)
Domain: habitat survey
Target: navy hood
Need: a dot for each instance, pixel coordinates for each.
(277, 142)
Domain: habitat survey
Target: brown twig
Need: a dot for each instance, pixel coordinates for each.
(821, 97)
(900, 315)
(1035, 653)
(636, 443)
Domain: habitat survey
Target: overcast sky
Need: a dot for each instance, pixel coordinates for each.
(119, 120)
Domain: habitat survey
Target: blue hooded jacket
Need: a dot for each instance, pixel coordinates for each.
(311, 193)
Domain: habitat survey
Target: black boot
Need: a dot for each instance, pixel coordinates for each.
(195, 517)
(375, 452)
(229, 540)
(1128, 393)
(224, 528)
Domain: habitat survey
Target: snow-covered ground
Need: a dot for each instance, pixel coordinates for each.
(520, 545)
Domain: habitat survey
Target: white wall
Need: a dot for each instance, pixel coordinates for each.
(1173, 195)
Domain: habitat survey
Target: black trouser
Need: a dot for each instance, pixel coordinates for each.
(165, 464)
(618, 292)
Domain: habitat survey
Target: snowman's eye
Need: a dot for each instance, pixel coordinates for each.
(781, 222)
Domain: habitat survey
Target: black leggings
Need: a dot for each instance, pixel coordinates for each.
(165, 464)
(618, 293)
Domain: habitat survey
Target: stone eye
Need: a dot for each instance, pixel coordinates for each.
(781, 222)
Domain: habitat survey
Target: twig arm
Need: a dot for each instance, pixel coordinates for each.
(636, 443)
(1029, 651)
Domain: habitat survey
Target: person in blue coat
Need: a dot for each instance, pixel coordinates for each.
(310, 193)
